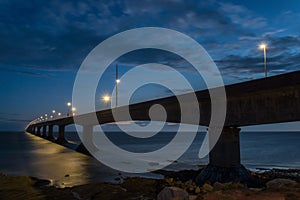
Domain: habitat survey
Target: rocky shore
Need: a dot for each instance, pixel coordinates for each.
(270, 184)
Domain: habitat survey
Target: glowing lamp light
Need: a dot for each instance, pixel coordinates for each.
(106, 98)
(262, 46)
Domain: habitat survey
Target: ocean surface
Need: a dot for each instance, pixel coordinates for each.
(25, 154)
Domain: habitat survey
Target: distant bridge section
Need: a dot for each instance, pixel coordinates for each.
(263, 101)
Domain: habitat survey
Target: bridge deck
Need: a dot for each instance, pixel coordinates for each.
(269, 100)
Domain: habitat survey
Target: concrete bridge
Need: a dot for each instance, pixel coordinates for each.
(263, 101)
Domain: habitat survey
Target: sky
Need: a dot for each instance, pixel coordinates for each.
(43, 43)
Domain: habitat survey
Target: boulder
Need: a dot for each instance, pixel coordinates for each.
(197, 190)
(280, 182)
(207, 188)
(173, 193)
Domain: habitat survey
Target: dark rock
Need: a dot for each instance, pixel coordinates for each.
(81, 149)
(170, 193)
(213, 174)
(280, 182)
(207, 188)
(40, 182)
(183, 175)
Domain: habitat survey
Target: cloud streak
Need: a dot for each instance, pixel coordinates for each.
(58, 35)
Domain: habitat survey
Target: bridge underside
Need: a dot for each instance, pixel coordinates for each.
(270, 100)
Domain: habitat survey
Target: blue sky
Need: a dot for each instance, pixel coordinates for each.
(43, 43)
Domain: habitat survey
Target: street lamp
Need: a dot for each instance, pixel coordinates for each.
(69, 105)
(53, 111)
(263, 47)
(59, 114)
(117, 82)
(106, 99)
(73, 111)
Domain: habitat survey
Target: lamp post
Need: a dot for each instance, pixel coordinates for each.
(59, 114)
(106, 99)
(73, 111)
(263, 47)
(117, 82)
(53, 111)
(69, 105)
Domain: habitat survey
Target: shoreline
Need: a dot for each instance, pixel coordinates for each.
(25, 187)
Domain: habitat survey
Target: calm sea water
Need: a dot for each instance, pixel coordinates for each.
(25, 154)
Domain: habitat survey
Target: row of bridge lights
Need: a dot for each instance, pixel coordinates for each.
(106, 98)
(56, 114)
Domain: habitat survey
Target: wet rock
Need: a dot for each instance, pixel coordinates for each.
(227, 186)
(214, 174)
(76, 195)
(197, 190)
(218, 186)
(207, 188)
(40, 182)
(193, 197)
(171, 193)
(170, 181)
(280, 182)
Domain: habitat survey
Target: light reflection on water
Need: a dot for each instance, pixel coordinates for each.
(26, 154)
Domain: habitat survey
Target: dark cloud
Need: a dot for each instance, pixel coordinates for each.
(283, 55)
(3, 119)
(22, 72)
(58, 35)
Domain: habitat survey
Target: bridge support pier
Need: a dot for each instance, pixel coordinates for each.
(38, 130)
(61, 135)
(87, 137)
(50, 132)
(32, 131)
(44, 133)
(224, 160)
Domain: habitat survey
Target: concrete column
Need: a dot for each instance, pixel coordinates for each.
(226, 152)
(44, 134)
(61, 135)
(224, 160)
(50, 132)
(88, 144)
(32, 130)
(38, 131)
